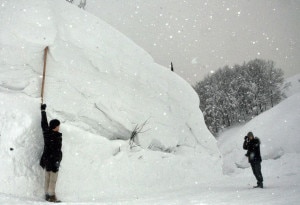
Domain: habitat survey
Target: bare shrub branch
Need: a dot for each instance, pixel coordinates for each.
(133, 141)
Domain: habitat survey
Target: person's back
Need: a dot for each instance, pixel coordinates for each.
(52, 154)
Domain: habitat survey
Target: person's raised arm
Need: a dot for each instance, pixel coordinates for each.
(245, 144)
(44, 122)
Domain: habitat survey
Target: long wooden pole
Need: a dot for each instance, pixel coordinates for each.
(44, 74)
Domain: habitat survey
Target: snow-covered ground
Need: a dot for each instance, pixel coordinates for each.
(101, 85)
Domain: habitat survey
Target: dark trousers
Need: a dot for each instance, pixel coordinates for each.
(256, 168)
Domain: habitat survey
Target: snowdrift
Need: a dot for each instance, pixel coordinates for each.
(277, 128)
(293, 85)
(100, 85)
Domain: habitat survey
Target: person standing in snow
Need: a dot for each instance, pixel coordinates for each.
(252, 145)
(52, 154)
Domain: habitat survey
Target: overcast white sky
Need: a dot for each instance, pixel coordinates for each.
(199, 36)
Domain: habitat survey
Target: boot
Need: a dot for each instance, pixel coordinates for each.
(259, 185)
(47, 197)
(53, 199)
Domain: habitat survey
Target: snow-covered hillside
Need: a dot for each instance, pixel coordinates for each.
(293, 85)
(277, 129)
(100, 85)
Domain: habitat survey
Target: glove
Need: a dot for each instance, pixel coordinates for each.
(246, 138)
(57, 164)
(43, 107)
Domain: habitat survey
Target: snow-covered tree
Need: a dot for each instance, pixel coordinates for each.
(81, 3)
(236, 94)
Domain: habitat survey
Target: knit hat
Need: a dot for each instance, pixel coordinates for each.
(53, 124)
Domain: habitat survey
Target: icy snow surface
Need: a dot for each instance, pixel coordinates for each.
(101, 85)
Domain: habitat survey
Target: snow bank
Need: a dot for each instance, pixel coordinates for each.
(294, 85)
(20, 144)
(100, 85)
(277, 128)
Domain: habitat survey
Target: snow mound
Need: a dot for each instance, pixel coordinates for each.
(293, 85)
(101, 86)
(277, 128)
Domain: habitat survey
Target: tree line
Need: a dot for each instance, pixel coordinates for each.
(236, 94)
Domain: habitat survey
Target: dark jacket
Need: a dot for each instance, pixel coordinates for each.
(253, 147)
(52, 154)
